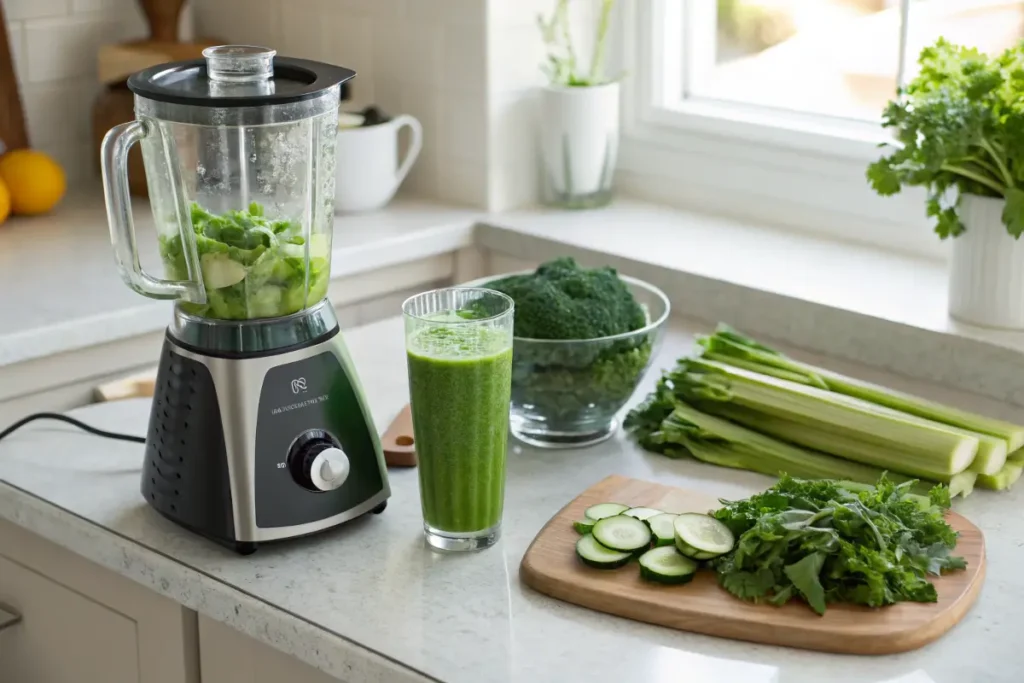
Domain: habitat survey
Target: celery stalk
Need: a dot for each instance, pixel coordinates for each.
(942, 448)
(832, 442)
(1003, 479)
(991, 455)
(962, 484)
(718, 441)
(727, 342)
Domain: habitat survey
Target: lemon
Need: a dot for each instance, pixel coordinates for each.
(5, 202)
(34, 180)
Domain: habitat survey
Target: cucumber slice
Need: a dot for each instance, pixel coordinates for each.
(663, 529)
(702, 534)
(593, 554)
(686, 549)
(622, 533)
(602, 510)
(693, 553)
(643, 514)
(666, 565)
(583, 526)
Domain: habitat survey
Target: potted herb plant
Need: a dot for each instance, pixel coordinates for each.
(580, 114)
(959, 133)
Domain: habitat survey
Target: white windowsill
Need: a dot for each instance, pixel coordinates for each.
(894, 287)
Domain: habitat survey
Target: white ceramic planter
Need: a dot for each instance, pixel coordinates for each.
(986, 279)
(579, 144)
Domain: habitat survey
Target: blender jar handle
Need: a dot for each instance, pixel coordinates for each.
(114, 157)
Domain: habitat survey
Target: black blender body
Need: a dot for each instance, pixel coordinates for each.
(259, 430)
(238, 440)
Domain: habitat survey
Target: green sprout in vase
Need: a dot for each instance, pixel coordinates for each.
(563, 67)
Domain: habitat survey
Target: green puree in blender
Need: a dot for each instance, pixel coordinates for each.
(459, 379)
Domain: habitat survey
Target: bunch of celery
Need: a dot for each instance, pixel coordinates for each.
(743, 404)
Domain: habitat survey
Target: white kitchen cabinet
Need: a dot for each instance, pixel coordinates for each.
(81, 623)
(228, 656)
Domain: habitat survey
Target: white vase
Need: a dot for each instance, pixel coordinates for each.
(579, 144)
(986, 279)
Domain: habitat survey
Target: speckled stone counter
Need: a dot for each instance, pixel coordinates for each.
(369, 602)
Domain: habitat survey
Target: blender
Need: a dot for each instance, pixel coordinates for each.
(258, 430)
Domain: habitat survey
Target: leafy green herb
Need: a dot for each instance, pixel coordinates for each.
(959, 129)
(562, 66)
(824, 543)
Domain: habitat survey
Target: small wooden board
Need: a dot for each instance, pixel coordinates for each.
(550, 566)
(398, 443)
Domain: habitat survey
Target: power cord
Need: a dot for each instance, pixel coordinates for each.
(71, 421)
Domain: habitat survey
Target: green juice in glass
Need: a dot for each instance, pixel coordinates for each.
(459, 379)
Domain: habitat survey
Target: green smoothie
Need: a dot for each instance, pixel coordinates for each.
(459, 381)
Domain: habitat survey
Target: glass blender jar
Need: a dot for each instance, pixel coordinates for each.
(259, 429)
(240, 170)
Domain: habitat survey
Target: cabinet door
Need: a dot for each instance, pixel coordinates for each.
(228, 656)
(81, 623)
(62, 636)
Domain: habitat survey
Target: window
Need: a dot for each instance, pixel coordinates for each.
(795, 87)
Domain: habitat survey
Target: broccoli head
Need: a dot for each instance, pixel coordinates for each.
(561, 300)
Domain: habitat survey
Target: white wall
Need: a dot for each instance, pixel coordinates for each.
(54, 45)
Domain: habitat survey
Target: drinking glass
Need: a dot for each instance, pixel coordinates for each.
(459, 350)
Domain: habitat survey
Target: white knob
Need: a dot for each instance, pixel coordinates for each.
(329, 469)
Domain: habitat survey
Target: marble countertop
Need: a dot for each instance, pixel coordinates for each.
(369, 602)
(63, 291)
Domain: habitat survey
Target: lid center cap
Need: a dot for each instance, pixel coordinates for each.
(239, 63)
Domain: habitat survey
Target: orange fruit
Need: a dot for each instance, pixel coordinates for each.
(34, 180)
(5, 202)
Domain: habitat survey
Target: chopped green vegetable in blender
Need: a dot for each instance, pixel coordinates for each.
(252, 266)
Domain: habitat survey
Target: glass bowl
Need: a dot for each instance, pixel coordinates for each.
(566, 393)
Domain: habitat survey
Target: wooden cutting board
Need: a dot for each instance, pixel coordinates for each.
(13, 132)
(550, 566)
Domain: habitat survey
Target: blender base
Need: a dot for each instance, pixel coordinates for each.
(249, 448)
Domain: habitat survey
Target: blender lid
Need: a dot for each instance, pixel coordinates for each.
(237, 76)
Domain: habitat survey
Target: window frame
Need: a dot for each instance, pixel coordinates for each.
(808, 169)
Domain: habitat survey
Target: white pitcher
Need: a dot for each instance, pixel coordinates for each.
(368, 173)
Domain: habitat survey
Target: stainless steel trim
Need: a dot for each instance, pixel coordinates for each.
(8, 617)
(238, 383)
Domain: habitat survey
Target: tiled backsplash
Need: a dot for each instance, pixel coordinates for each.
(54, 45)
(467, 69)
